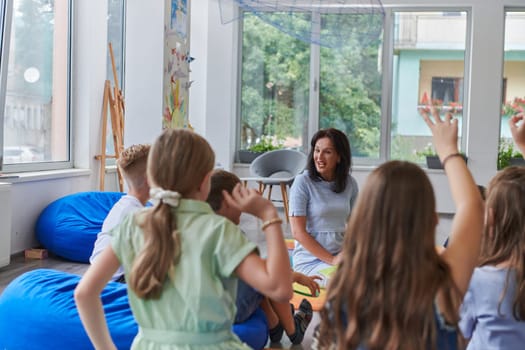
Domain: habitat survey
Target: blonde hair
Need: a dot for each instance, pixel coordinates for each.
(382, 295)
(133, 163)
(504, 239)
(178, 161)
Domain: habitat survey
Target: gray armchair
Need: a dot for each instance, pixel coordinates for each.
(277, 167)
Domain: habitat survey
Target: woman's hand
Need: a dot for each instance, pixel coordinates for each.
(517, 128)
(250, 201)
(308, 281)
(444, 132)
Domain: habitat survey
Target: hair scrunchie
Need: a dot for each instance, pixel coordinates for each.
(171, 198)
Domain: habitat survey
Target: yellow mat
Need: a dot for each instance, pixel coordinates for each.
(301, 292)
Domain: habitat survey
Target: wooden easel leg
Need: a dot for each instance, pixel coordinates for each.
(105, 106)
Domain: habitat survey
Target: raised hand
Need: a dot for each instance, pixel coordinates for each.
(517, 128)
(444, 132)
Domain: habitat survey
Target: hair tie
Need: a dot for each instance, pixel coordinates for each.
(170, 198)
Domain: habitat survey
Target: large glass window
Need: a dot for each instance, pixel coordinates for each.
(290, 88)
(36, 113)
(428, 71)
(275, 85)
(350, 84)
(513, 93)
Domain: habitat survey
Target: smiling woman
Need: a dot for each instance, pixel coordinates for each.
(321, 200)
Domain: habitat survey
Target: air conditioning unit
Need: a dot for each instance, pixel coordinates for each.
(5, 224)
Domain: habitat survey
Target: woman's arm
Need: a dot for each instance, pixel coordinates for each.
(462, 253)
(87, 298)
(271, 276)
(298, 226)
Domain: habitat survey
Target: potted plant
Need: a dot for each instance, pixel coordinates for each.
(264, 144)
(507, 155)
(432, 158)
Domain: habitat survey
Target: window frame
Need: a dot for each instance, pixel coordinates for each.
(386, 54)
(46, 165)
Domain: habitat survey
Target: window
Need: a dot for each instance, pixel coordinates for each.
(289, 89)
(513, 94)
(428, 70)
(36, 110)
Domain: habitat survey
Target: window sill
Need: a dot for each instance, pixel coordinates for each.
(43, 175)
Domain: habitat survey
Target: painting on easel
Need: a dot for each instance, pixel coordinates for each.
(176, 65)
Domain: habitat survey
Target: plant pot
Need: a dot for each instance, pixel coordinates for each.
(433, 162)
(246, 156)
(517, 161)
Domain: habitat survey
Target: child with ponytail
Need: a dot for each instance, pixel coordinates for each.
(181, 260)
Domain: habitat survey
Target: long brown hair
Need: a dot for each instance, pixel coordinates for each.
(342, 147)
(178, 161)
(382, 295)
(504, 237)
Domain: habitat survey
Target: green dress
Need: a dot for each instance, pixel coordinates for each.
(197, 307)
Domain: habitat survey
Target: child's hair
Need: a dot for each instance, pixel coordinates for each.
(178, 161)
(132, 163)
(504, 238)
(342, 147)
(221, 180)
(382, 295)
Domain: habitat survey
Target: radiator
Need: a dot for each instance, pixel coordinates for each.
(5, 224)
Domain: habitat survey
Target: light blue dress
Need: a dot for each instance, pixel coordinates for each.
(326, 215)
(480, 320)
(197, 306)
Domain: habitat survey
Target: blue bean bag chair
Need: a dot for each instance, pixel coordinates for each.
(68, 227)
(37, 311)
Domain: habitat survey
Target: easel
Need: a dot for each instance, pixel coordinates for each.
(115, 103)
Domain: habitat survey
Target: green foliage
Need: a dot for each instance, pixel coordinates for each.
(506, 151)
(428, 151)
(276, 85)
(265, 144)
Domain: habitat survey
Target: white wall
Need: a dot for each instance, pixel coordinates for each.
(144, 61)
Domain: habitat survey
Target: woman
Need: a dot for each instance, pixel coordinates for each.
(321, 199)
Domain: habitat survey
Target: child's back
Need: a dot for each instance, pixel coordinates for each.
(493, 310)
(196, 304)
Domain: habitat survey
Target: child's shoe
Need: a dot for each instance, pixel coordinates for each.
(276, 333)
(302, 319)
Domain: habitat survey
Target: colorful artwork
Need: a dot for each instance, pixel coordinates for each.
(176, 65)
(179, 14)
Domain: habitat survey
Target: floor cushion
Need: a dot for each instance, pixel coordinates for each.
(68, 227)
(37, 311)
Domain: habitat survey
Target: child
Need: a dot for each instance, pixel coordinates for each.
(493, 312)
(181, 260)
(392, 290)
(132, 164)
(280, 317)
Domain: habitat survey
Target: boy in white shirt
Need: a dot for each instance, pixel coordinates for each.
(132, 164)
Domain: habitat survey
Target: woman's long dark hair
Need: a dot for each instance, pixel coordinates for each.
(342, 147)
